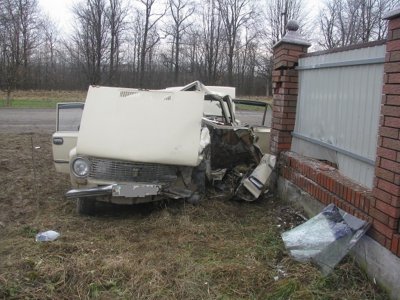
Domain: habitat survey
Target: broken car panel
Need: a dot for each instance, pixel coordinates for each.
(326, 238)
(135, 146)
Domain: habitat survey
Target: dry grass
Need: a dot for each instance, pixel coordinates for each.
(49, 99)
(171, 250)
(45, 95)
(258, 98)
(41, 98)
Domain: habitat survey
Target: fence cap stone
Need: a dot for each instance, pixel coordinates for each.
(292, 25)
(394, 13)
(292, 35)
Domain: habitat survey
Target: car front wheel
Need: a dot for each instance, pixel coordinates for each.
(86, 206)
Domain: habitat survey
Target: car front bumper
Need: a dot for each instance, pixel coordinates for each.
(130, 190)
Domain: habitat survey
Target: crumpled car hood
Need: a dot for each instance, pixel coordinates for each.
(145, 126)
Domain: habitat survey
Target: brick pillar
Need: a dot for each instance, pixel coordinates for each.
(385, 208)
(286, 54)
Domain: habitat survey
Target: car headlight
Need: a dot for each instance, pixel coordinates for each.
(80, 167)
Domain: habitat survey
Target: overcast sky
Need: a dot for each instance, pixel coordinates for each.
(60, 11)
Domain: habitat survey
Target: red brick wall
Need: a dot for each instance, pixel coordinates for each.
(285, 86)
(386, 207)
(327, 185)
(381, 205)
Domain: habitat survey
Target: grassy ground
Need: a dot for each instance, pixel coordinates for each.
(171, 250)
(41, 99)
(249, 107)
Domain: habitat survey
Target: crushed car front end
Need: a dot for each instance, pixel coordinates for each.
(136, 146)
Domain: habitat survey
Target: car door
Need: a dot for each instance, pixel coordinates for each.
(262, 130)
(65, 138)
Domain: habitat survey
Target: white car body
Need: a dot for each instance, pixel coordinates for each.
(137, 146)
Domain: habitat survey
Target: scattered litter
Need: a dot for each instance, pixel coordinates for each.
(208, 287)
(37, 147)
(47, 236)
(301, 216)
(281, 273)
(326, 238)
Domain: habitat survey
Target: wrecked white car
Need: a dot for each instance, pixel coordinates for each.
(129, 146)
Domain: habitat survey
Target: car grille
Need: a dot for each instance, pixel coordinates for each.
(124, 171)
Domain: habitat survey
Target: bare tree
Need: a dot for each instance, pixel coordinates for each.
(48, 52)
(234, 14)
(219, 42)
(246, 60)
(180, 11)
(195, 60)
(348, 18)
(380, 28)
(91, 37)
(27, 11)
(211, 32)
(116, 16)
(347, 22)
(134, 46)
(328, 19)
(279, 12)
(19, 21)
(149, 37)
(10, 59)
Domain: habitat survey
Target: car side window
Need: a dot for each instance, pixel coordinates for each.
(69, 116)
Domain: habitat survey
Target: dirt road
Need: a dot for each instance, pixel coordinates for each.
(24, 120)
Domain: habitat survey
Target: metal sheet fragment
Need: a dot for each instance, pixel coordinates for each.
(326, 238)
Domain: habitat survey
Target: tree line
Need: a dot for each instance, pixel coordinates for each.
(160, 43)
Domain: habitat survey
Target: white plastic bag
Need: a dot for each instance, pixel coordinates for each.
(47, 236)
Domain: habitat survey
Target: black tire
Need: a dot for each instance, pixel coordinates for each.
(86, 206)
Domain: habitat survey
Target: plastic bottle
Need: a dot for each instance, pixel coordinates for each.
(47, 236)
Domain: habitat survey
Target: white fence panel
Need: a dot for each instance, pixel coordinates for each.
(338, 109)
